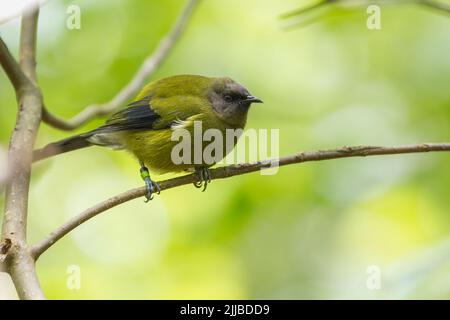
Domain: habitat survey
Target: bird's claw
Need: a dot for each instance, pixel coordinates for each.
(151, 186)
(204, 178)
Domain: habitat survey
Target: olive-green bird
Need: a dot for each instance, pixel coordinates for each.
(146, 126)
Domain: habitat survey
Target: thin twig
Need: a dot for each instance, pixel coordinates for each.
(303, 10)
(230, 171)
(148, 67)
(443, 7)
(12, 69)
(299, 13)
(25, 7)
(18, 261)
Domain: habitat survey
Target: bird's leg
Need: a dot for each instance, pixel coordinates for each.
(204, 177)
(151, 186)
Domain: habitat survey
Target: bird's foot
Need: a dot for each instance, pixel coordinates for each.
(152, 186)
(204, 177)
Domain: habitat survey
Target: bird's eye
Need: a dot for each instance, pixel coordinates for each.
(228, 98)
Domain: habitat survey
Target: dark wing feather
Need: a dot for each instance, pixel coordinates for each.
(138, 116)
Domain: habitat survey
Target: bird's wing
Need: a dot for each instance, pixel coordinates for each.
(148, 114)
(138, 116)
(154, 114)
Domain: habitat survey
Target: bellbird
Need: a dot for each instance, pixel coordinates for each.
(146, 126)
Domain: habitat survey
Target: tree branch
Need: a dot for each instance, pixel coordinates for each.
(443, 7)
(30, 4)
(148, 67)
(230, 171)
(12, 69)
(18, 260)
(28, 38)
(303, 11)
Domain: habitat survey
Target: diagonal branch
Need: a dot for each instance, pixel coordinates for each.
(295, 14)
(303, 10)
(230, 171)
(12, 69)
(441, 6)
(148, 67)
(28, 5)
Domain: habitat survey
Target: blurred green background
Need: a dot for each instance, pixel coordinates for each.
(312, 230)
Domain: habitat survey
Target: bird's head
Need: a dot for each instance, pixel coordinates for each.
(230, 100)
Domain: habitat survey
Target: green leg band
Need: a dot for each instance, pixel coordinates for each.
(151, 186)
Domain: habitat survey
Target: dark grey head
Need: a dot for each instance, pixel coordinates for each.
(231, 101)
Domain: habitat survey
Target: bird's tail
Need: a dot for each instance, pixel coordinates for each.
(62, 146)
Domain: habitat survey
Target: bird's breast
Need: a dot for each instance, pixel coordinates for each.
(183, 147)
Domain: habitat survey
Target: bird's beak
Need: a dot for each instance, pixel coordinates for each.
(253, 99)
